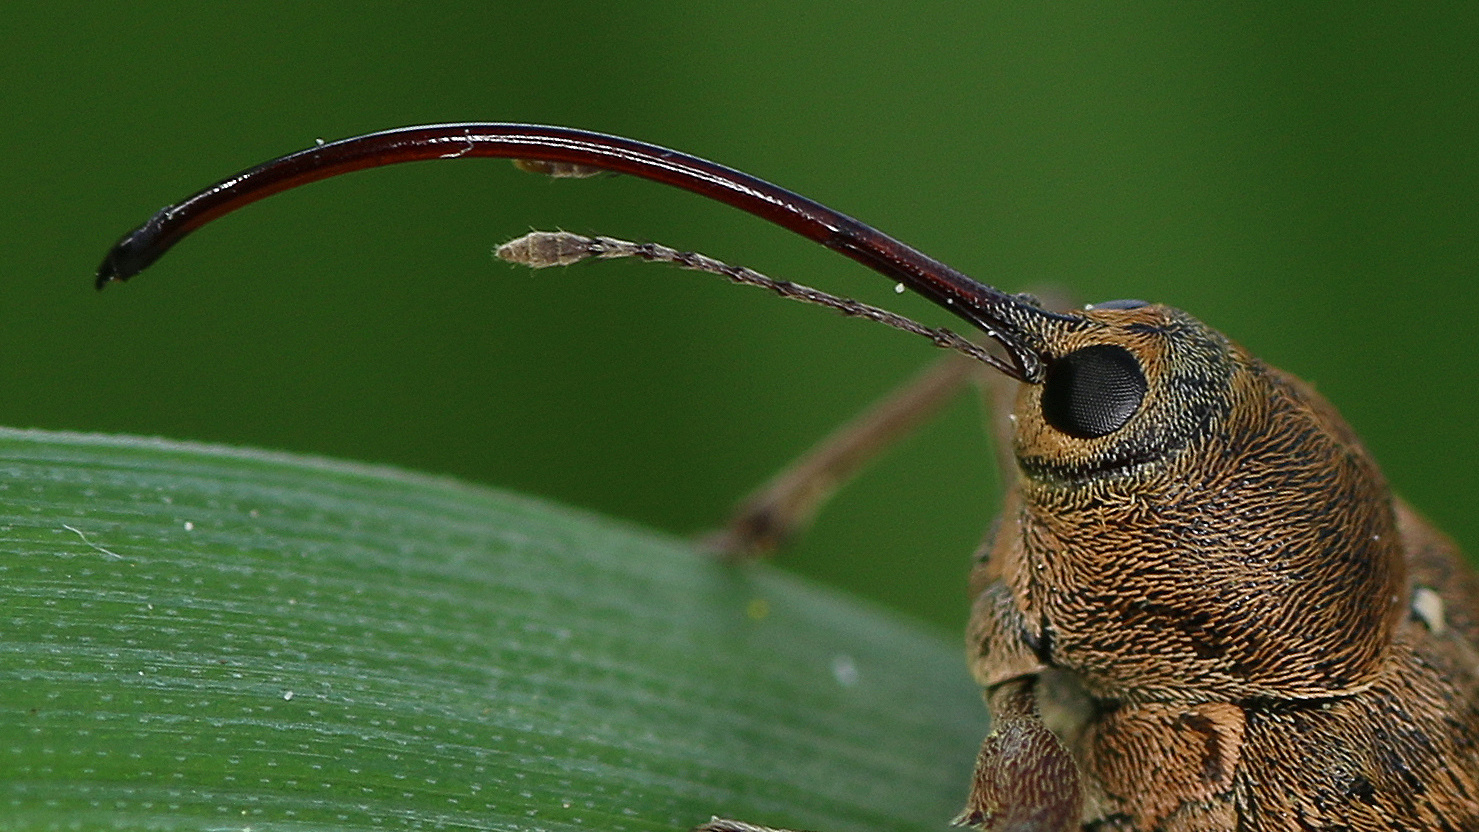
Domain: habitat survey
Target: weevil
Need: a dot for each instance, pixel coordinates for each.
(1202, 609)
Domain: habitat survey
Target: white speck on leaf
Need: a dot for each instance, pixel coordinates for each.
(844, 670)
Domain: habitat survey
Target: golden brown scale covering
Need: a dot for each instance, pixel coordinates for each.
(1224, 615)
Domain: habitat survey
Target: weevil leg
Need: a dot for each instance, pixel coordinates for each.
(1025, 779)
(718, 824)
(782, 508)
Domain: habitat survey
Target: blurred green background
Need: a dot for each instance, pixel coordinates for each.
(1304, 180)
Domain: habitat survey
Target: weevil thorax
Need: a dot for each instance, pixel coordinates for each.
(1190, 523)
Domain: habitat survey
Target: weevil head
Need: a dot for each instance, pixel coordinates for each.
(1124, 386)
(1189, 521)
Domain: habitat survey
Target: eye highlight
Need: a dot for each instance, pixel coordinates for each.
(1093, 392)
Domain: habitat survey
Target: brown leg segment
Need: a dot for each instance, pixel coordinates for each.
(1025, 779)
(718, 824)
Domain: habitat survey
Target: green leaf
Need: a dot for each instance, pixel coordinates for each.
(206, 638)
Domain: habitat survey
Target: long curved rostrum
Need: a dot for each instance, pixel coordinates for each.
(1010, 320)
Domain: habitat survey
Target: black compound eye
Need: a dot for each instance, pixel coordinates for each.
(1093, 391)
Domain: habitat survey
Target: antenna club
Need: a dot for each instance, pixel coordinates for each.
(543, 249)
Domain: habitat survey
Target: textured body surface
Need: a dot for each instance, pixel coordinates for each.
(1240, 629)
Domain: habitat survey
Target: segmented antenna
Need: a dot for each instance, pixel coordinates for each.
(543, 249)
